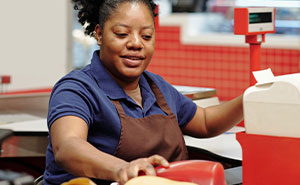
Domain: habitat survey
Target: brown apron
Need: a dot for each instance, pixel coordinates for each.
(154, 134)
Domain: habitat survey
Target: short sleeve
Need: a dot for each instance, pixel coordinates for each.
(70, 97)
(185, 108)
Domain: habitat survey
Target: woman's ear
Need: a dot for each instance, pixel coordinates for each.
(98, 34)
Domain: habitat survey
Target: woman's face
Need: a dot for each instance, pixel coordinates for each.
(127, 41)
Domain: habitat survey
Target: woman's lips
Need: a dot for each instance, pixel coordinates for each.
(132, 61)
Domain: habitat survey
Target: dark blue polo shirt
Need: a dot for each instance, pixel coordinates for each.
(87, 94)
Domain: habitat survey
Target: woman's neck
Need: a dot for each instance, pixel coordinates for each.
(136, 95)
(129, 84)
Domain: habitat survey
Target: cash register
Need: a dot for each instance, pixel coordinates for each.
(270, 143)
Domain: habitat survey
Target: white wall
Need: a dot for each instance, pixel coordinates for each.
(35, 42)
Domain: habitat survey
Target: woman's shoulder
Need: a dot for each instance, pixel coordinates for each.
(82, 76)
(77, 80)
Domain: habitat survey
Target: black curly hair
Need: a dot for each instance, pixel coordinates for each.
(93, 12)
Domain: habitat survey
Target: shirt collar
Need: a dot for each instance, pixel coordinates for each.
(147, 94)
(104, 80)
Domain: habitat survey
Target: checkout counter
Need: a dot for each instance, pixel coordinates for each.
(23, 121)
(267, 147)
(25, 115)
(24, 130)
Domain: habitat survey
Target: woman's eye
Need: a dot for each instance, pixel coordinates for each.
(121, 34)
(147, 37)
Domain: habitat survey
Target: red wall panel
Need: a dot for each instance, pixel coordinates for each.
(224, 68)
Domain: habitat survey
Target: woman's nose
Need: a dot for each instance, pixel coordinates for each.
(135, 42)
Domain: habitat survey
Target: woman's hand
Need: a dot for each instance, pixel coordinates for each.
(144, 165)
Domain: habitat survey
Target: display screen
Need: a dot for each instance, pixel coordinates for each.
(255, 18)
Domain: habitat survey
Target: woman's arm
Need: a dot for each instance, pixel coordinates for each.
(215, 120)
(80, 158)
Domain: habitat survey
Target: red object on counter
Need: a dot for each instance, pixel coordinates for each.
(201, 172)
(270, 159)
(5, 79)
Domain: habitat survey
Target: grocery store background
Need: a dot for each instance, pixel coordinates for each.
(195, 44)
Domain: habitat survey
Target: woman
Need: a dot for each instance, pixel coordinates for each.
(112, 119)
